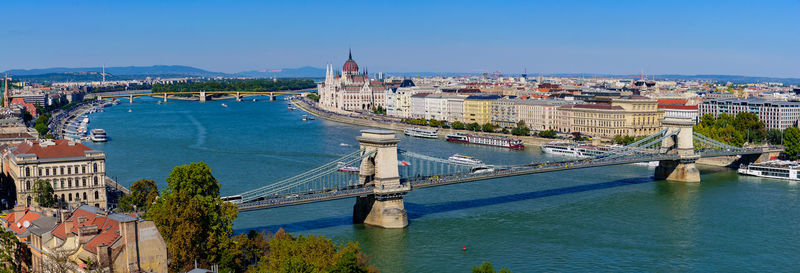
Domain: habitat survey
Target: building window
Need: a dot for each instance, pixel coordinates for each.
(27, 171)
(62, 182)
(47, 171)
(62, 170)
(40, 171)
(83, 169)
(95, 167)
(70, 197)
(62, 197)
(84, 181)
(28, 185)
(69, 169)
(96, 195)
(69, 182)
(84, 197)
(95, 180)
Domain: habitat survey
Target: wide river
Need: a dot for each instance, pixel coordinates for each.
(600, 219)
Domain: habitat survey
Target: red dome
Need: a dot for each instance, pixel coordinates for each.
(350, 65)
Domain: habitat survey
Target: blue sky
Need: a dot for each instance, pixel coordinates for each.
(758, 38)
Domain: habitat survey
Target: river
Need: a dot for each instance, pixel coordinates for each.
(600, 219)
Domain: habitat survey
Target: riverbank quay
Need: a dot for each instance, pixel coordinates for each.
(395, 124)
(59, 119)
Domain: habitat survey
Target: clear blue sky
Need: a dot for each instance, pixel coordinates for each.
(759, 38)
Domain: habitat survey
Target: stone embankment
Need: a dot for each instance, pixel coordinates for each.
(398, 126)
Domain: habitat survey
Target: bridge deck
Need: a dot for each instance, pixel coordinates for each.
(441, 180)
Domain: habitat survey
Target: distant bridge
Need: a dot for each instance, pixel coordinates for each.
(386, 174)
(204, 95)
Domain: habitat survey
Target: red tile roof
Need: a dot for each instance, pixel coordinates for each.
(672, 101)
(19, 226)
(62, 148)
(107, 225)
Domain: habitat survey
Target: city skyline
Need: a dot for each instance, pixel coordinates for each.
(736, 38)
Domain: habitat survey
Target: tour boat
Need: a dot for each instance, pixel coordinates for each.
(304, 117)
(85, 120)
(420, 132)
(574, 150)
(98, 135)
(489, 140)
(347, 169)
(465, 159)
(780, 169)
(311, 117)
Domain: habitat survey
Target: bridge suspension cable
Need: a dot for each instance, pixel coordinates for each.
(713, 143)
(306, 177)
(635, 144)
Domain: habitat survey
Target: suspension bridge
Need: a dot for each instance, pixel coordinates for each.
(385, 173)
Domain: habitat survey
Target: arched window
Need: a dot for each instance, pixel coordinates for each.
(84, 196)
(95, 180)
(84, 181)
(96, 195)
(27, 171)
(28, 185)
(95, 167)
(83, 169)
(69, 182)
(70, 197)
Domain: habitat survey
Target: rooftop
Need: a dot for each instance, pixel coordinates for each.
(59, 148)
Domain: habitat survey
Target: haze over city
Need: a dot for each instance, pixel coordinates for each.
(618, 37)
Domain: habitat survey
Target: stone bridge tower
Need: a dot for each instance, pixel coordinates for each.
(683, 169)
(384, 207)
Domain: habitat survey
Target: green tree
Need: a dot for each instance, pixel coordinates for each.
(458, 125)
(754, 129)
(7, 244)
(473, 126)
(312, 254)
(245, 250)
(548, 133)
(487, 127)
(43, 193)
(521, 129)
(487, 267)
(41, 124)
(791, 140)
(27, 116)
(143, 194)
(194, 221)
(313, 96)
(774, 136)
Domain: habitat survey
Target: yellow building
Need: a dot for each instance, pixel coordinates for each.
(631, 116)
(478, 108)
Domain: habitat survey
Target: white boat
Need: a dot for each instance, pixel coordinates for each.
(574, 150)
(420, 132)
(98, 135)
(465, 159)
(311, 117)
(344, 144)
(780, 169)
(224, 105)
(347, 169)
(482, 169)
(129, 110)
(85, 120)
(255, 99)
(304, 117)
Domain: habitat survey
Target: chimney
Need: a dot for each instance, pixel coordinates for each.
(68, 228)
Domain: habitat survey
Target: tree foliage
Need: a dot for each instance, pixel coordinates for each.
(236, 85)
(7, 244)
(473, 126)
(43, 193)
(194, 221)
(41, 124)
(488, 127)
(143, 194)
(487, 267)
(521, 129)
(774, 136)
(733, 130)
(312, 254)
(458, 125)
(791, 139)
(548, 133)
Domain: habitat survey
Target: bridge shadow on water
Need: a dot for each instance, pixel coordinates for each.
(419, 210)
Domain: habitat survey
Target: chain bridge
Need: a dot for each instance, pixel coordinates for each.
(379, 174)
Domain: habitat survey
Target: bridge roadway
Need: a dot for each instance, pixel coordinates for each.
(242, 93)
(499, 172)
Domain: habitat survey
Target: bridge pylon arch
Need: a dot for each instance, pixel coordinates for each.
(384, 206)
(682, 143)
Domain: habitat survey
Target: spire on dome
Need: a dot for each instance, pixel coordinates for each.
(349, 53)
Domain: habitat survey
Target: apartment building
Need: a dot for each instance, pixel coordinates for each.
(477, 108)
(542, 115)
(505, 113)
(629, 116)
(774, 114)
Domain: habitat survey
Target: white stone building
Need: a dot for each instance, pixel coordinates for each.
(350, 90)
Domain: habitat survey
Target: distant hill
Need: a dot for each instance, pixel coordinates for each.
(302, 72)
(122, 70)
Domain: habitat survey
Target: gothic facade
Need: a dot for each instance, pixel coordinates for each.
(350, 90)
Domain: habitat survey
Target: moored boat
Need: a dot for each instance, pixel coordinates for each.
(780, 169)
(420, 132)
(346, 168)
(489, 140)
(98, 135)
(465, 159)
